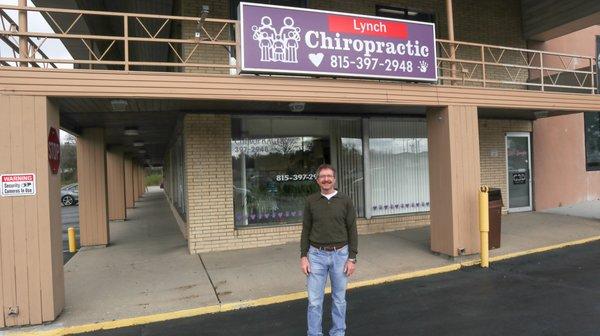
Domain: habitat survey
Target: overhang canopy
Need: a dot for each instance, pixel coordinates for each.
(547, 19)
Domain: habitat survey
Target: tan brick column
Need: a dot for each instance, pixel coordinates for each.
(91, 175)
(129, 198)
(142, 180)
(454, 179)
(115, 171)
(135, 182)
(31, 263)
(209, 181)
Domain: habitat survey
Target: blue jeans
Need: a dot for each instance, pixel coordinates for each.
(322, 264)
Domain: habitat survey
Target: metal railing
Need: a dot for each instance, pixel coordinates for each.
(114, 51)
(11, 42)
(474, 64)
(209, 45)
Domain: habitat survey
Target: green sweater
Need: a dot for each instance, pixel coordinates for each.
(329, 222)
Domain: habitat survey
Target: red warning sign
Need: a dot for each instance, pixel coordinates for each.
(17, 185)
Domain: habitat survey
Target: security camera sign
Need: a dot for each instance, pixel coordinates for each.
(276, 39)
(17, 185)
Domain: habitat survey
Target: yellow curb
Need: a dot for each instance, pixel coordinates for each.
(404, 276)
(545, 248)
(225, 307)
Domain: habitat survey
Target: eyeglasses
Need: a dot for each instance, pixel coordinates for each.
(326, 176)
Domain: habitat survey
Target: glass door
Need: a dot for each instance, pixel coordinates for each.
(518, 168)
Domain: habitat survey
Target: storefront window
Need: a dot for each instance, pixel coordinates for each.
(177, 185)
(398, 166)
(273, 177)
(274, 162)
(347, 158)
(592, 140)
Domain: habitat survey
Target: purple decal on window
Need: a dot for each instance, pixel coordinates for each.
(277, 39)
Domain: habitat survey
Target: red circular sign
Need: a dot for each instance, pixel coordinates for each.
(53, 150)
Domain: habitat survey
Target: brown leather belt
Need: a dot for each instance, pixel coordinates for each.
(333, 247)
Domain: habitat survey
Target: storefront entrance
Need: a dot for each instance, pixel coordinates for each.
(518, 162)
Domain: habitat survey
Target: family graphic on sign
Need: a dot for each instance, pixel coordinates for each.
(276, 46)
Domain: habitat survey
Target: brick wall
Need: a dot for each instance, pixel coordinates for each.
(492, 151)
(205, 54)
(210, 196)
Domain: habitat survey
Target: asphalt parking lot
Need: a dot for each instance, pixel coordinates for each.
(70, 218)
(552, 293)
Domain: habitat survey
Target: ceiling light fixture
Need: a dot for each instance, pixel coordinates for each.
(131, 131)
(138, 144)
(297, 106)
(142, 151)
(119, 105)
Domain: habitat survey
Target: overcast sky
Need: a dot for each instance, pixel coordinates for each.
(36, 23)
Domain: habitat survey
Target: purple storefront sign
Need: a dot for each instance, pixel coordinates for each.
(288, 40)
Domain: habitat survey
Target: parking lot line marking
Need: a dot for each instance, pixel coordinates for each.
(226, 307)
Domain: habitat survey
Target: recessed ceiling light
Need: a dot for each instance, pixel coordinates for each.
(131, 131)
(138, 144)
(297, 106)
(118, 105)
(142, 151)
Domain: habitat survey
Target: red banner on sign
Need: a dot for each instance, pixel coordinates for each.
(363, 26)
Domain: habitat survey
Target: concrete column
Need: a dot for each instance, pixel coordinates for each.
(31, 262)
(129, 198)
(139, 184)
(142, 180)
(91, 175)
(454, 179)
(136, 184)
(115, 171)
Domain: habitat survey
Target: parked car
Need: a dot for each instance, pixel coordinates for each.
(69, 194)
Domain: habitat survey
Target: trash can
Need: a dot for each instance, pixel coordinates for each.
(495, 217)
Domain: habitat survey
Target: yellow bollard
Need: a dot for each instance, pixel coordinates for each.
(72, 243)
(484, 226)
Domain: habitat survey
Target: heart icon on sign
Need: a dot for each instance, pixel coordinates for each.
(316, 59)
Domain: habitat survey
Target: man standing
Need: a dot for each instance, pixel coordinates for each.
(328, 247)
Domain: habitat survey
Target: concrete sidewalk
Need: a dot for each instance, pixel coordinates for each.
(587, 209)
(147, 268)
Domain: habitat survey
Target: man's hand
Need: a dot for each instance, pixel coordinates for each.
(304, 265)
(349, 268)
